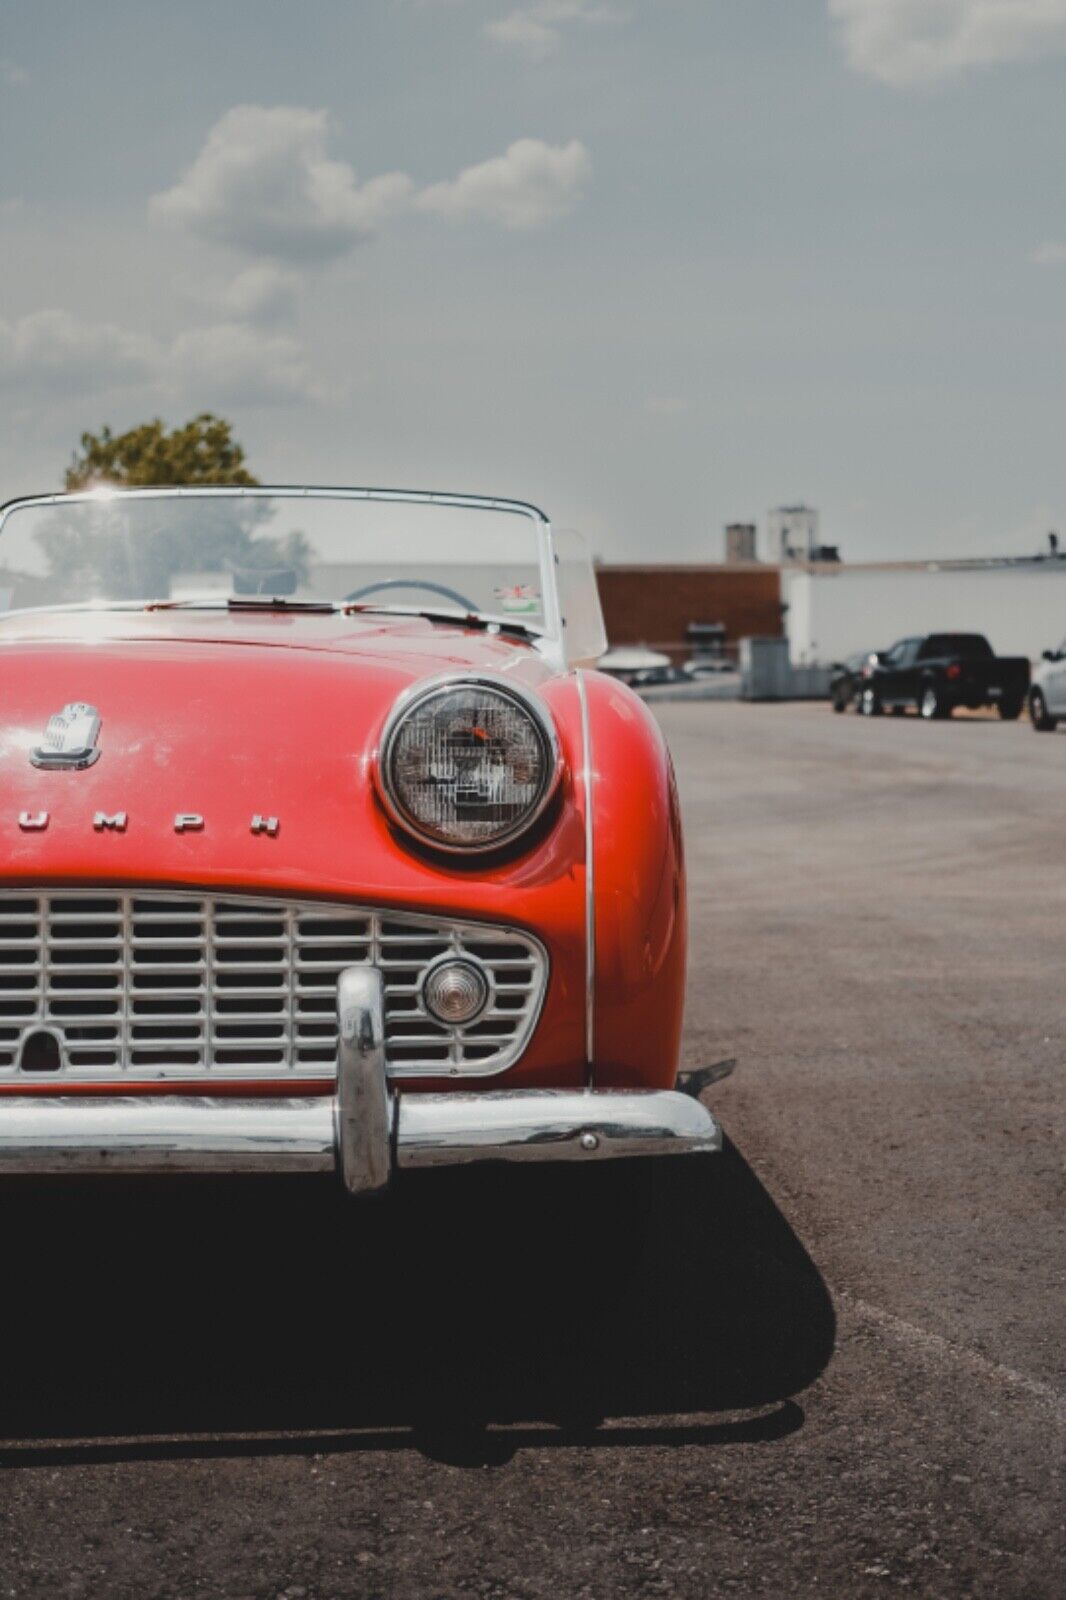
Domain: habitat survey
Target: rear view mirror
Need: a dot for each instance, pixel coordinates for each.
(1051, 655)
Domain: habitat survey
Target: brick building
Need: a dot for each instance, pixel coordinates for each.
(654, 604)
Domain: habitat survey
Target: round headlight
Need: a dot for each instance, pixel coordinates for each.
(468, 765)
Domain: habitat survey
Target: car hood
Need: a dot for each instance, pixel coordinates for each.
(215, 717)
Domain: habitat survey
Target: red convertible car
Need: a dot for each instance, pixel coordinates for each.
(324, 847)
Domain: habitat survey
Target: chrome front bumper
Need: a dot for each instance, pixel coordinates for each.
(363, 1132)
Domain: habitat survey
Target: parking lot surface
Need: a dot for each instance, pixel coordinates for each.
(830, 1363)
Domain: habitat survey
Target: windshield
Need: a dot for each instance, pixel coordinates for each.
(197, 548)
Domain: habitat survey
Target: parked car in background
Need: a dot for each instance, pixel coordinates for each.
(845, 680)
(939, 671)
(632, 663)
(1047, 697)
(651, 677)
(694, 671)
(323, 850)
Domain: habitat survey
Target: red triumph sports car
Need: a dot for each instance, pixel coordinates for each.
(323, 847)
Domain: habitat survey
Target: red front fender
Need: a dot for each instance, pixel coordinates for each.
(639, 893)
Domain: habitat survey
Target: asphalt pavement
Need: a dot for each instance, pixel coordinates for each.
(830, 1362)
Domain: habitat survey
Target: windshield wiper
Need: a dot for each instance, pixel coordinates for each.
(264, 602)
(251, 603)
(453, 619)
(349, 608)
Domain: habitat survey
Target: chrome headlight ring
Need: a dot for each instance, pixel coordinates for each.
(499, 697)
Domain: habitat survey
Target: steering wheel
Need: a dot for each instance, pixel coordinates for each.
(413, 583)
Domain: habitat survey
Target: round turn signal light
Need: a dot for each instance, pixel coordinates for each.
(455, 992)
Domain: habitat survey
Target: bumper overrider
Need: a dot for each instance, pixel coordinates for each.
(363, 1133)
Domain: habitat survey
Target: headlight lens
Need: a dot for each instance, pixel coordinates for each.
(468, 765)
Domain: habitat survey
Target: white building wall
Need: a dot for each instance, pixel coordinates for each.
(1022, 610)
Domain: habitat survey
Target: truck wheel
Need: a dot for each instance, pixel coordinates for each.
(870, 704)
(840, 702)
(1038, 713)
(1009, 710)
(931, 705)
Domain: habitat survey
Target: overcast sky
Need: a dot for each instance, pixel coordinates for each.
(654, 264)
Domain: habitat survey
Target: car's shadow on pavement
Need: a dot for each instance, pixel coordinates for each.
(469, 1314)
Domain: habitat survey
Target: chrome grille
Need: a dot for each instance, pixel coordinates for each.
(178, 985)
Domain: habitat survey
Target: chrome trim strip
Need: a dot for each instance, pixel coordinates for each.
(590, 882)
(363, 1104)
(554, 621)
(288, 491)
(177, 1134)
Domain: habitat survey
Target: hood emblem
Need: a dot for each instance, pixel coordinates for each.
(70, 738)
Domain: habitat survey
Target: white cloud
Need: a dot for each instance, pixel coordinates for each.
(665, 405)
(233, 364)
(533, 183)
(523, 31)
(909, 43)
(1050, 254)
(50, 354)
(12, 75)
(535, 29)
(49, 351)
(264, 293)
(263, 184)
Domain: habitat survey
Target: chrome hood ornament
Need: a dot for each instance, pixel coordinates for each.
(70, 738)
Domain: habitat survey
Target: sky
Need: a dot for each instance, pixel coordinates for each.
(656, 265)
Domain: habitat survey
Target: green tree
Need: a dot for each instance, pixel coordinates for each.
(132, 549)
(203, 451)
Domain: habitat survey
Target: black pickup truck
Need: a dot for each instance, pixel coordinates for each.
(941, 671)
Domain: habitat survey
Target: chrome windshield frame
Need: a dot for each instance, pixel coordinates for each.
(549, 640)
